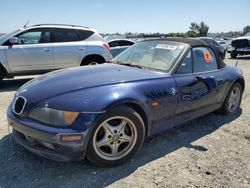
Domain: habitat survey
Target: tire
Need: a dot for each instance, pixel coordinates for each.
(233, 54)
(93, 60)
(1, 76)
(222, 56)
(231, 105)
(117, 136)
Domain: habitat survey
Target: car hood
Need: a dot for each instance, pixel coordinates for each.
(73, 79)
(244, 37)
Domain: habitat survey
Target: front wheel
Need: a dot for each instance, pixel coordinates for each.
(116, 138)
(233, 54)
(233, 99)
(1, 76)
(222, 55)
(93, 61)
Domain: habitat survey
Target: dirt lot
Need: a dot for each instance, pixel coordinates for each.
(212, 151)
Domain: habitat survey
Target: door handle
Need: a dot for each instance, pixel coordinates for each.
(81, 48)
(198, 78)
(46, 49)
(220, 80)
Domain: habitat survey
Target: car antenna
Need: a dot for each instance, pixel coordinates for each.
(236, 64)
(26, 24)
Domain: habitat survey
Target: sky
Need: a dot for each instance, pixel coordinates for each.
(110, 16)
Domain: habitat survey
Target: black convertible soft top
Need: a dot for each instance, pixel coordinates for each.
(195, 43)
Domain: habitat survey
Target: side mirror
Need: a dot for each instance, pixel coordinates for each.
(13, 40)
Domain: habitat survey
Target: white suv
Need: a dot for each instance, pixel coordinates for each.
(46, 47)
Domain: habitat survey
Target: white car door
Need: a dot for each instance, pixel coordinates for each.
(33, 52)
(69, 49)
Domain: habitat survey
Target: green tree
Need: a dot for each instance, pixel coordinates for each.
(193, 30)
(246, 29)
(203, 29)
(198, 30)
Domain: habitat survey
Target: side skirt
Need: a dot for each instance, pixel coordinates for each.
(163, 124)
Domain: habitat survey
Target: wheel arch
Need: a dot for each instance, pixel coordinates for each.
(139, 108)
(240, 81)
(92, 56)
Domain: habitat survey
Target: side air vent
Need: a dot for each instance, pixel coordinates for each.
(19, 105)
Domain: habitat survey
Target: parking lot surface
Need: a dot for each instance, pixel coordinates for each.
(212, 151)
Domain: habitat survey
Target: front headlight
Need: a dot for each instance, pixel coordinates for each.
(53, 117)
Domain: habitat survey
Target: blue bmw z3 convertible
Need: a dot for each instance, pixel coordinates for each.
(104, 112)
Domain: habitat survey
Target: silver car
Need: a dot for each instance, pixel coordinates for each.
(46, 47)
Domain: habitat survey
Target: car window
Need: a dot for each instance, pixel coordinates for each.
(84, 34)
(34, 36)
(113, 44)
(65, 35)
(186, 65)
(204, 59)
(120, 43)
(125, 43)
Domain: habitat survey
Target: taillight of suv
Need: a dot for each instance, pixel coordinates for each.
(107, 47)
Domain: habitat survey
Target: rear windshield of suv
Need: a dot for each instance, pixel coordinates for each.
(71, 35)
(84, 34)
(65, 35)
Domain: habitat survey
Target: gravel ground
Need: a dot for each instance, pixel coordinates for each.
(212, 151)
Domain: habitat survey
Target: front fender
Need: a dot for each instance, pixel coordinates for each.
(235, 75)
(97, 100)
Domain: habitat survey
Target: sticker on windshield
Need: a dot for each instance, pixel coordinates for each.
(166, 46)
(207, 57)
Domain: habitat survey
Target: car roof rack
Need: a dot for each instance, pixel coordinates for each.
(61, 25)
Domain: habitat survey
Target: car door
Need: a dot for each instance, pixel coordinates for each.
(32, 53)
(199, 81)
(69, 49)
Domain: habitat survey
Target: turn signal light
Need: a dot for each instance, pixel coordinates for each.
(69, 117)
(155, 104)
(70, 138)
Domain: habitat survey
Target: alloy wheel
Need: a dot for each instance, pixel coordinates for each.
(115, 138)
(234, 99)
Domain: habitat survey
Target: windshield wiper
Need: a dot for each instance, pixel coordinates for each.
(128, 64)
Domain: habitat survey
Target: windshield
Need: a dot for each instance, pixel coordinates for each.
(7, 35)
(159, 55)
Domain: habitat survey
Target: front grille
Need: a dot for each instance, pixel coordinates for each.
(241, 43)
(19, 105)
